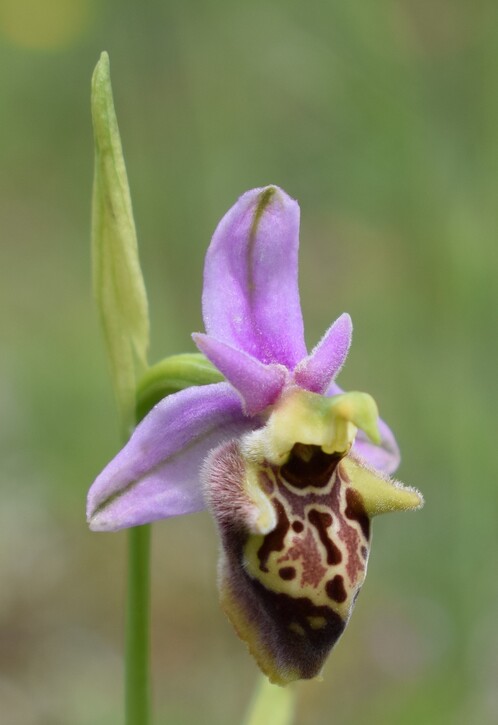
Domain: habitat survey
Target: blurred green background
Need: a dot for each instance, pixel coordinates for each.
(382, 120)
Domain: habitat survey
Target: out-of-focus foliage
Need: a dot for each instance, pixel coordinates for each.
(382, 119)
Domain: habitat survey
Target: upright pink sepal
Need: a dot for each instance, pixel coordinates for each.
(251, 298)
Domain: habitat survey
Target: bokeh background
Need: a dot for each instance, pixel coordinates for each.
(382, 120)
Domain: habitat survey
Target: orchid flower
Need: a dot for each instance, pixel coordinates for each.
(291, 467)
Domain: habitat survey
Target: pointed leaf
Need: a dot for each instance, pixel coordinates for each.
(118, 284)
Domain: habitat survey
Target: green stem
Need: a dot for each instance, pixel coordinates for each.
(137, 627)
(173, 374)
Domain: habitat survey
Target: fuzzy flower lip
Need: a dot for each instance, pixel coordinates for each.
(255, 337)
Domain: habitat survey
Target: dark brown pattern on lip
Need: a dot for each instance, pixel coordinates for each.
(274, 541)
(287, 573)
(348, 538)
(356, 511)
(321, 521)
(344, 543)
(309, 466)
(335, 589)
(297, 643)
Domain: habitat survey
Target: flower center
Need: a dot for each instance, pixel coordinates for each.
(306, 431)
(309, 463)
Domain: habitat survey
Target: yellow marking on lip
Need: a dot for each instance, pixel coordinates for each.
(307, 490)
(317, 622)
(266, 519)
(297, 629)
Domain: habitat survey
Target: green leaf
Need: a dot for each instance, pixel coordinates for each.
(171, 375)
(118, 283)
(271, 704)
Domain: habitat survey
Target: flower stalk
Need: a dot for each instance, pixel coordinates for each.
(122, 304)
(271, 704)
(137, 677)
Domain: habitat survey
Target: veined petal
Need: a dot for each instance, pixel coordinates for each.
(156, 474)
(251, 298)
(384, 457)
(317, 370)
(259, 385)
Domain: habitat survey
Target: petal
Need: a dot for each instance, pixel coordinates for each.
(156, 474)
(384, 457)
(317, 370)
(251, 298)
(259, 385)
